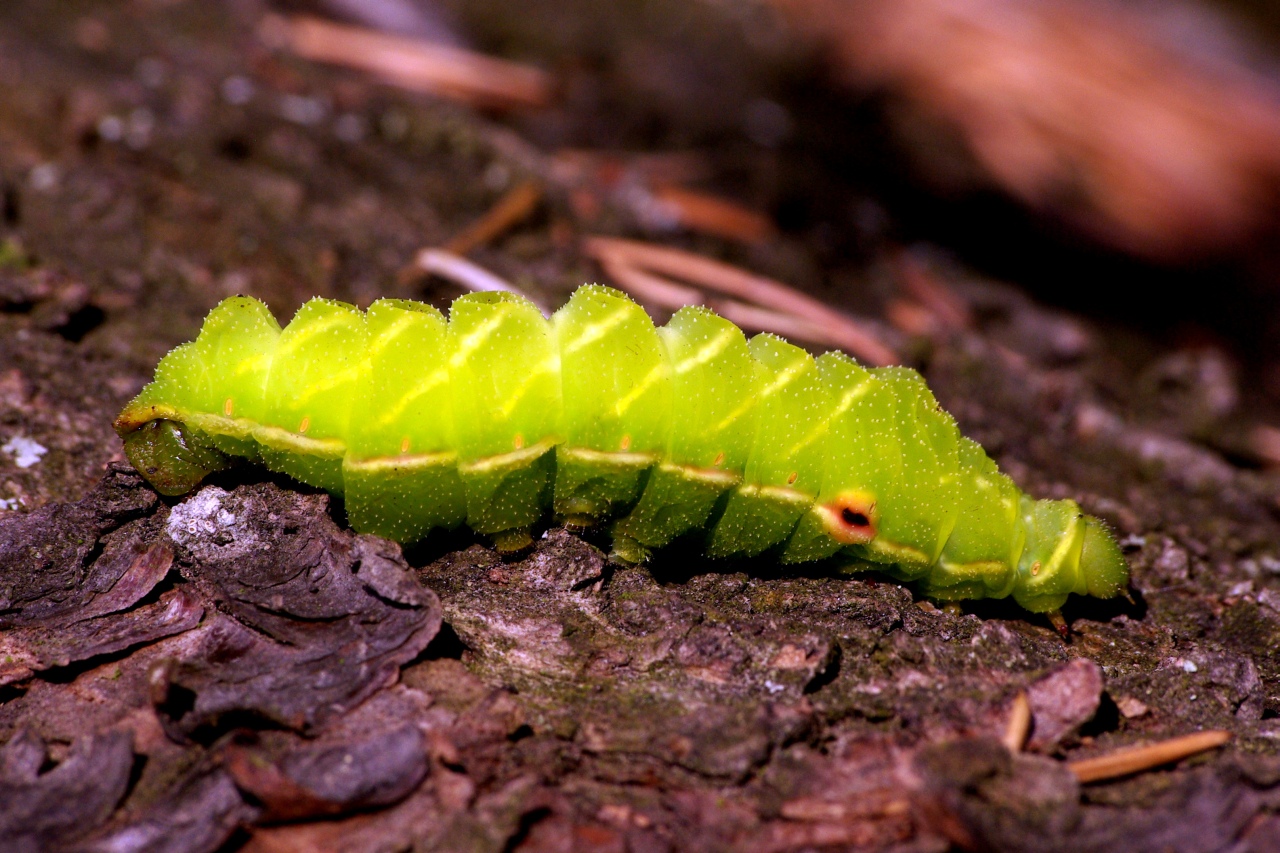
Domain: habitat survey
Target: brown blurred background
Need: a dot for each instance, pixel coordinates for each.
(1117, 158)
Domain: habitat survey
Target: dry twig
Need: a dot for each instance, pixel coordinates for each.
(610, 169)
(1264, 442)
(1128, 761)
(1104, 115)
(912, 318)
(515, 206)
(1019, 725)
(413, 64)
(652, 288)
(466, 274)
(757, 300)
(653, 188)
(933, 293)
(711, 214)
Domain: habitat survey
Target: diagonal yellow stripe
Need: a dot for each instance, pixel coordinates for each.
(473, 341)
(551, 365)
(850, 396)
(290, 340)
(429, 383)
(706, 352)
(597, 330)
(327, 383)
(656, 373)
(388, 336)
(782, 380)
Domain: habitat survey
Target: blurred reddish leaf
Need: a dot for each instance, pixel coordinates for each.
(1143, 127)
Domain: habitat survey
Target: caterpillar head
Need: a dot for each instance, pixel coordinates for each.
(171, 457)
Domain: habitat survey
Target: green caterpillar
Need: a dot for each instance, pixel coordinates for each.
(496, 415)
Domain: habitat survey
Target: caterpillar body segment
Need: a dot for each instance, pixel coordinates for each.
(710, 433)
(793, 407)
(400, 473)
(504, 377)
(495, 416)
(616, 400)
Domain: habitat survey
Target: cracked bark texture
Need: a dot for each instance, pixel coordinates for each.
(236, 670)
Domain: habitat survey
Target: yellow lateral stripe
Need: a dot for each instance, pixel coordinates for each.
(709, 476)
(133, 417)
(277, 438)
(287, 440)
(616, 459)
(782, 494)
(1064, 546)
(980, 570)
(900, 554)
(218, 425)
(415, 462)
(514, 459)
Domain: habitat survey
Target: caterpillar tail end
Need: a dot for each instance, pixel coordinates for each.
(1102, 564)
(171, 457)
(1066, 553)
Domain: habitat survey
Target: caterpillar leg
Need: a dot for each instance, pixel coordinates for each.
(1059, 624)
(512, 541)
(404, 498)
(506, 495)
(627, 551)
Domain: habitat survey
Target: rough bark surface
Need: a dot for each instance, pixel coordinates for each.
(236, 670)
